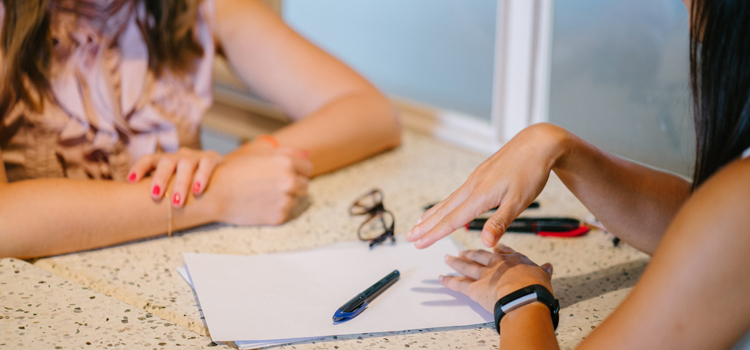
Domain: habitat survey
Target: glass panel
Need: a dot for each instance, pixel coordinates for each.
(438, 52)
(620, 78)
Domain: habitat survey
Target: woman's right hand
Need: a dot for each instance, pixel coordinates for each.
(259, 186)
(510, 179)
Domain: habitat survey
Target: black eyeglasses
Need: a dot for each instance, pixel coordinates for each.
(380, 223)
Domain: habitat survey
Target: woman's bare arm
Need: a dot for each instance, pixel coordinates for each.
(340, 117)
(635, 202)
(693, 295)
(52, 216)
(44, 217)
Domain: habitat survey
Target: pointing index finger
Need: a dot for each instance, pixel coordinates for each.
(448, 223)
(444, 208)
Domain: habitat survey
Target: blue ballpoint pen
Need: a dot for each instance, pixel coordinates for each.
(359, 303)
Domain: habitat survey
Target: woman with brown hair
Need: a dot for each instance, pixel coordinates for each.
(115, 90)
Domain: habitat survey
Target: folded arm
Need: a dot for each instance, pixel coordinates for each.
(340, 117)
(52, 216)
(42, 217)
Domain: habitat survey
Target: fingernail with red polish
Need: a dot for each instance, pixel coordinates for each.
(197, 188)
(176, 199)
(304, 153)
(156, 191)
(131, 177)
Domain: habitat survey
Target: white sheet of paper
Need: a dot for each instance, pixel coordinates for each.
(183, 271)
(293, 295)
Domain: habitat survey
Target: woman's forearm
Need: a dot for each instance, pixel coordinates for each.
(339, 116)
(634, 202)
(54, 216)
(529, 327)
(345, 131)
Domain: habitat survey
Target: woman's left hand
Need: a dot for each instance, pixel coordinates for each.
(487, 277)
(190, 168)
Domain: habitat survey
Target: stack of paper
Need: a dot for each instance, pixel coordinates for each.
(263, 300)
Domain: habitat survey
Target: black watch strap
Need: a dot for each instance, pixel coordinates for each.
(525, 296)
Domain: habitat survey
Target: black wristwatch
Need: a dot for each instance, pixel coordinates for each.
(525, 296)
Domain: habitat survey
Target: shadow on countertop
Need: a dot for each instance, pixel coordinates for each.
(574, 289)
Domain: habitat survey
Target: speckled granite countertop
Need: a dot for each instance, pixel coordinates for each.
(44, 311)
(591, 276)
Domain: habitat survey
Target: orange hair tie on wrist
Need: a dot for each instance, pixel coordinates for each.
(269, 139)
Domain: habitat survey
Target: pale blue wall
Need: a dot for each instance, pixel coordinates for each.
(439, 52)
(620, 78)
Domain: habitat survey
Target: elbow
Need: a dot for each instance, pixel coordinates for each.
(15, 242)
(391, 129)
(7, 246)
(394, 129)
(10, 247)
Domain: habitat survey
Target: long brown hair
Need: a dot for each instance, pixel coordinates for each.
(27, 46)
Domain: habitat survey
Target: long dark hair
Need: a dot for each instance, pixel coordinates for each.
(26, 44)
(720, 80)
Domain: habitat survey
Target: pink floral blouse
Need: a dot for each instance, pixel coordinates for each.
(107, 108)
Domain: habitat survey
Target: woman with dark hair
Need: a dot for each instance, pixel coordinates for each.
(694, 293)
(116, 89)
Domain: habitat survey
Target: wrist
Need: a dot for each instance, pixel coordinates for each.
(529, 327)
(520, 277)
(535, 311)
(562, 144)
(521, 298)
(553, 143)
(198, 210)
(211, 203)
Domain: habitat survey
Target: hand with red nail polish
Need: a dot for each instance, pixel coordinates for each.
(189, 170)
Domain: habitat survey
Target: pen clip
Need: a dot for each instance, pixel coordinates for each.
(341, 316)
(567, 234)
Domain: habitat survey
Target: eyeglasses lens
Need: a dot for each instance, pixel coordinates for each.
(376, 226)
(367, 203)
